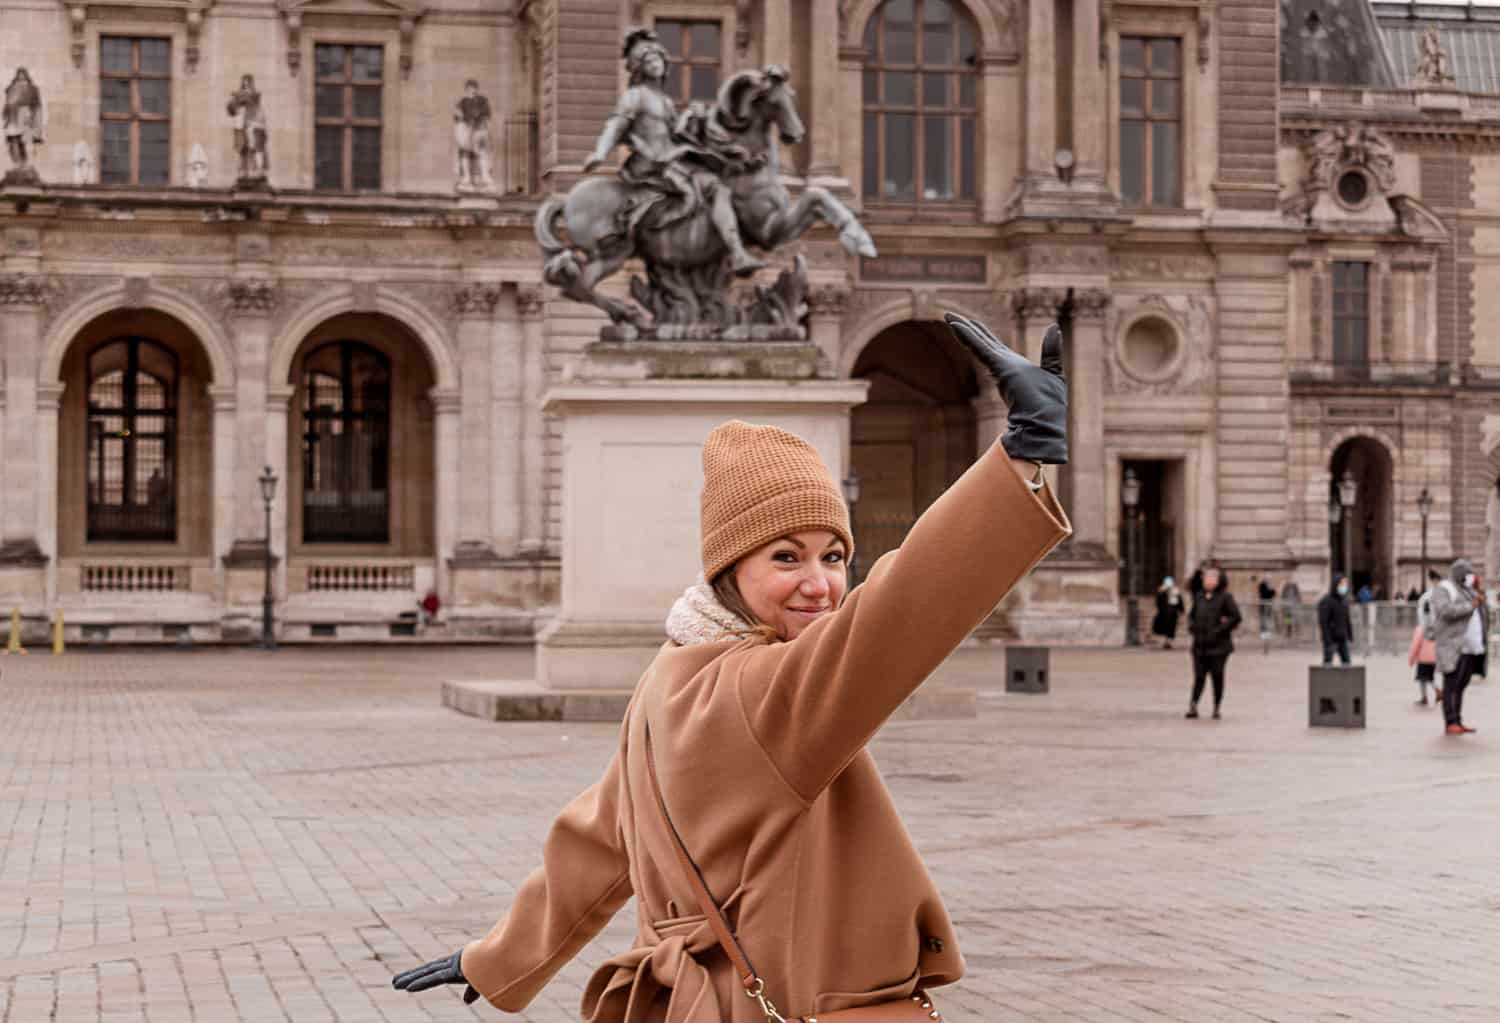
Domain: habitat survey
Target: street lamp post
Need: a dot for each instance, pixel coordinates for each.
(1335, 515)
(1130, 494)
(267, 482)
(1348, 492)
(850, 486)
(1424, 509)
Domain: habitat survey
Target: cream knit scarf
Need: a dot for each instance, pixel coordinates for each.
(698, 617)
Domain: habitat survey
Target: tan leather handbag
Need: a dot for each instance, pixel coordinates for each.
(916, 1009)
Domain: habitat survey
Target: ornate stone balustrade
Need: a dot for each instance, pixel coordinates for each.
(362, 578)
(136, 578)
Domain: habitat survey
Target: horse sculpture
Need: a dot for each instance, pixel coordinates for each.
(686, 260)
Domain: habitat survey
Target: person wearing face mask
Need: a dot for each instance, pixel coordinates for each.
(1334, 625)
(1458, 631)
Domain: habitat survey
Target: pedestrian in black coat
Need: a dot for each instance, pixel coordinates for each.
(1212, 622)
(1334, 624)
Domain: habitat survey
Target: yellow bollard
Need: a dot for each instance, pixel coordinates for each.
(57, 635)
(13, 646)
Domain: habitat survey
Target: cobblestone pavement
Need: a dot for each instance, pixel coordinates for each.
(221, 836)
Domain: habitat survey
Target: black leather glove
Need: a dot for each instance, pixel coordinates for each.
(1036, 395)
(439, 971)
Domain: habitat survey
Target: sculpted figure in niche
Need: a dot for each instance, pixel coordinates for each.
(1433, 66)
(24, 122)
(249, 130)
(197, 168)
(83, 163)
(471, 134)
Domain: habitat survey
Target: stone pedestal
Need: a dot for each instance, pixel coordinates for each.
(634, 417)
(1071, 597)
(1336, 696)
(1027, 669)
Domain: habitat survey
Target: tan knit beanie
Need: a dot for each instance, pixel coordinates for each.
(761, 483)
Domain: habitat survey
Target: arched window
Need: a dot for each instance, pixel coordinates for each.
(132, 441)
(346, 444)
(921, 84)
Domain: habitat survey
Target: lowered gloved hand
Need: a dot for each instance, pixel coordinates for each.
(440, 971)
(1036, 395)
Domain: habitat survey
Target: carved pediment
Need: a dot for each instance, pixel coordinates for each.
(406, 14)
(1348, 182)
(190, 12)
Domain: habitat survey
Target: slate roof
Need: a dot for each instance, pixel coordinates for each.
(1333, 42)
(1470, 34)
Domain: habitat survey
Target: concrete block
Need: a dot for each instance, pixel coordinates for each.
(1027, 669)
(1336, 696)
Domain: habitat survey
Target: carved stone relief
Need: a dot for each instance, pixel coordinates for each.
(1185, 368)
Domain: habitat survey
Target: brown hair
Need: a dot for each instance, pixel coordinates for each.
(727, 590)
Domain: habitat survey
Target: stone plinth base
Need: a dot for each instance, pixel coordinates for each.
(1336, 696)
(597, 654)
(527, 701)
(1071, 599)
(634, 418)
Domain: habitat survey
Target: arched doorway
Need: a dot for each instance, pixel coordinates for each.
(915, 434)
(360, 458)
(1361, 541)
(135, 456)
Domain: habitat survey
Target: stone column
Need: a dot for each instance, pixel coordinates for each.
(225, 455)
(776, 40)
(507, 351)
(251, 302)
(48, 400)
(1090, 94)
(446, 407)
(823, 78)
(989, 416)
(1035, 308)
(825, 319)
(530, 307)
(277, 404)
(1085, 472)
(475, 303)
(1041, 92)
(22, 297)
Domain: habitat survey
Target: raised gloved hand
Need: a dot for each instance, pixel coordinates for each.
(1036, 395)
(440, 971)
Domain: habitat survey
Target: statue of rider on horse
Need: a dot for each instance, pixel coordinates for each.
(697, 187)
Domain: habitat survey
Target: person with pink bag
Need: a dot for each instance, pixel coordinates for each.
(1423, 654)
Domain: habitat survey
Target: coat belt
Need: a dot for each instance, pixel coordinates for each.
(631, 987)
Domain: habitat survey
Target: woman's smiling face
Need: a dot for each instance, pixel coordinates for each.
(792, 582)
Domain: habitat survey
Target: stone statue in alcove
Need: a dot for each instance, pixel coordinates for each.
(471, 136)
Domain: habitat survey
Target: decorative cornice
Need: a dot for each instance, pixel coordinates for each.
(476, 299)
(1090, 303)
(1037, 303)
(251, 297)
(530, 301)
(25, 289)
(828, 300)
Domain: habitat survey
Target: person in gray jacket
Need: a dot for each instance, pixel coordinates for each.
(1458, 629)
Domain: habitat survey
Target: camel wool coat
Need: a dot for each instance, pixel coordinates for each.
(760, 749)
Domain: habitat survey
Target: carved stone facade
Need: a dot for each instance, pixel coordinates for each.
(1308, 301)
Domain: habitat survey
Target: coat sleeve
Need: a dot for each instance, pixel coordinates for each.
(583, 881)
(1448, 609)
(1232, 612)
(814, 702)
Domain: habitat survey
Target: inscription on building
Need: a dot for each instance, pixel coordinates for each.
(908, 267)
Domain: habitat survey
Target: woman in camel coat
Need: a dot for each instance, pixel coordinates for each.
(759, 707)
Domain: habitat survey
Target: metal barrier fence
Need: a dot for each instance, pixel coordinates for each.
(1380, 627)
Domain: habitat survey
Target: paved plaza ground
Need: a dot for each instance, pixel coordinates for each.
(244, 836)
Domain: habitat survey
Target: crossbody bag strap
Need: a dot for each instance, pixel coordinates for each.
(754, 985)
